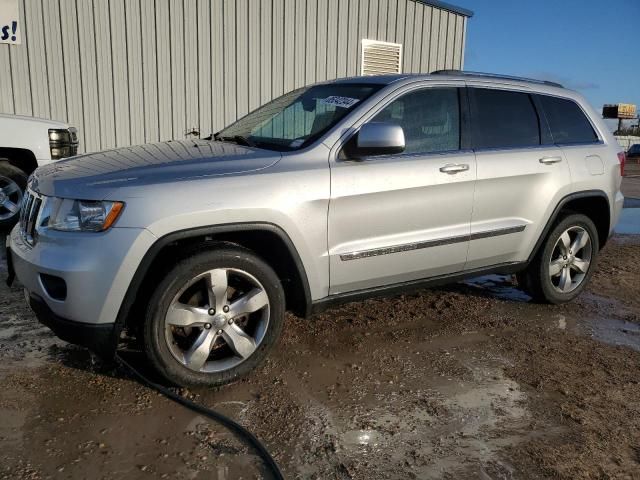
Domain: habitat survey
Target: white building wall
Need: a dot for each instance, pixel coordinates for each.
(134, 71)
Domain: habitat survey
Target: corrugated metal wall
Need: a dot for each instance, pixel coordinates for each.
(134, 71)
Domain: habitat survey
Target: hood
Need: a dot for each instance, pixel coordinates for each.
(5, 117)
(94, 176)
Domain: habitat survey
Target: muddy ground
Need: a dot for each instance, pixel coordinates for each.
(468, 381)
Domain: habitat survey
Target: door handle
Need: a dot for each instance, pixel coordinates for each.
(550, 160)
(454, 168)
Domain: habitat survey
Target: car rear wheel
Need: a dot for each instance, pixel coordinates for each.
(214, 317)
(13, 182)
(564, 264)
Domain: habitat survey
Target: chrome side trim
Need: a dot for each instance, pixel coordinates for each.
(497, 232)
(374, 252)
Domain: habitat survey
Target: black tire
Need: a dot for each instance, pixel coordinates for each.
(10, 173)
(155, 340)
(536, 280)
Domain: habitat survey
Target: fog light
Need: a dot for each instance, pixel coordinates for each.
(55, 287)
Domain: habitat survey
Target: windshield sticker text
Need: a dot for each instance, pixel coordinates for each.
(342, 102)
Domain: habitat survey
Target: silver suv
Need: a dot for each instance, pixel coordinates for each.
(331, 193)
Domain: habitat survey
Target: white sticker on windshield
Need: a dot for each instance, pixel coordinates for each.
(342, 102)
(296, 143)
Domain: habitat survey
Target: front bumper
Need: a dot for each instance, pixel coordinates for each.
(96, 269)
(99, 338)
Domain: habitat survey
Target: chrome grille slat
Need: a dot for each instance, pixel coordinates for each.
(26, 206)
(33, 213)
(31, 206)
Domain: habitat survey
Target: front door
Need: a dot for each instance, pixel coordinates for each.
(403, 217)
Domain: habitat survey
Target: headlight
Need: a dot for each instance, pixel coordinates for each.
(79, 215)
(63, 142)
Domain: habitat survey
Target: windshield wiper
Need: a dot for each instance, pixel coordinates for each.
(239, 139)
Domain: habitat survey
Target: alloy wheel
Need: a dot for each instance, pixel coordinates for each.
(10, 198)
(217, 320)
(570, 259)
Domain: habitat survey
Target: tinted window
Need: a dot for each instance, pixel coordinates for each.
(567, 121)
(503, 119)
(430, 119)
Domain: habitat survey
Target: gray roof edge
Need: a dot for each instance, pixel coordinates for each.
(448, 6)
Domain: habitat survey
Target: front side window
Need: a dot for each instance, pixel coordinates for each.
(430, 119)
(503, 119)
(567, 121)
(295, 119)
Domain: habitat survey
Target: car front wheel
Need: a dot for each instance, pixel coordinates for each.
(564, 264)
(214, 317)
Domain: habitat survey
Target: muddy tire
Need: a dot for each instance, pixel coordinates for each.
(13, 183)
(214, 317)
(565, 262)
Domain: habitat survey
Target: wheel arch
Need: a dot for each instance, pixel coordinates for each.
(592, 203)
(21, 158)
(266, 240)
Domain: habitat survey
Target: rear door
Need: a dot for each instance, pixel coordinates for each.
(521, 175)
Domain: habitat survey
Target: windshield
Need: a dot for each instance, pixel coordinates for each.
(296, 119)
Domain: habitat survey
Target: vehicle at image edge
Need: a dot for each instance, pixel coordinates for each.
(331, 193)
(27, 143)
(634, 153)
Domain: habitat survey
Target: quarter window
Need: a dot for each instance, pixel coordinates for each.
(430, 119)
(503, 119)
(567, 121)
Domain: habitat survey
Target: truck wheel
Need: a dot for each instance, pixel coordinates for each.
(565, 263)
(214, 317)
(13, 183)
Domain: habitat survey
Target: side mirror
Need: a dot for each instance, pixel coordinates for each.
(379, 138)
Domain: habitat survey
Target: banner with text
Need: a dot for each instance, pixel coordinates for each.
(9, 22)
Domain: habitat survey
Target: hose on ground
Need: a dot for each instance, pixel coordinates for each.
(209, 413)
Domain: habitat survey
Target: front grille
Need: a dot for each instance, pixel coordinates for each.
(31, 204)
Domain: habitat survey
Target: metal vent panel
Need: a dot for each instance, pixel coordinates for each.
(379, 58)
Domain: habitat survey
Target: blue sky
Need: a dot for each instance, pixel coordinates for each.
(592, 46)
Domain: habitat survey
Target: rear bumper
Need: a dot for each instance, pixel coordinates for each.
(618, 203)
(99, 338)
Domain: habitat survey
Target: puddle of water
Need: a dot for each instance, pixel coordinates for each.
(437, 418)
(499, 286)
(629, 223)
(607, 330)
(362, 437)
(615, 332)
(562, 321)
(630, 202)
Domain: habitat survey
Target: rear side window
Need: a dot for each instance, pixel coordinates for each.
(567, 121)
(503, 119)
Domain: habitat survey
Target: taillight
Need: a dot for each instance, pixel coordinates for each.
(622, 157)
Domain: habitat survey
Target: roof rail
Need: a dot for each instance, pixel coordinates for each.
(495, 75)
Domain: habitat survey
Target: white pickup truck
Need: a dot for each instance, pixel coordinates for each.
(27, 143)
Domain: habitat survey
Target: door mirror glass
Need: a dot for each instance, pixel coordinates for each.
(378, 138)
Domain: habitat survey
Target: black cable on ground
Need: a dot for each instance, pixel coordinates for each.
(212, 414)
